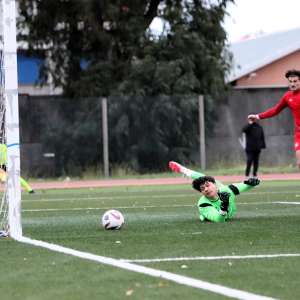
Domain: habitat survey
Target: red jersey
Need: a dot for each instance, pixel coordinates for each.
(290, 99)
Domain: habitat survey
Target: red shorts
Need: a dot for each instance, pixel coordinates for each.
(297, 141)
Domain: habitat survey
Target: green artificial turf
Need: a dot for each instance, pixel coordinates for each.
(161, 222)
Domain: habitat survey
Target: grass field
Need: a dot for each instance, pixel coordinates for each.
(162, 224)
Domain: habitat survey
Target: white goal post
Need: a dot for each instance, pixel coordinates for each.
(11, 219)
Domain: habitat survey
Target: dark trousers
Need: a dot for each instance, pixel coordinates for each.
(252, 159)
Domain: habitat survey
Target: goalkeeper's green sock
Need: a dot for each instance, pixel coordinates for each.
(178, 168)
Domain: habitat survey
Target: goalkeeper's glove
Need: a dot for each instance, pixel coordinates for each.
(252, 181)
(224, 197)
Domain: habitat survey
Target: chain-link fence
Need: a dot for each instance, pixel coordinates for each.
(62, 136)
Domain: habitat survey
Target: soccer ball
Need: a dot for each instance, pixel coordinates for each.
(112, 219)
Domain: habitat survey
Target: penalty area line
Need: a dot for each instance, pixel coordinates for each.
(287, 202)
(140, 207)
(184, 280)
(229, 257)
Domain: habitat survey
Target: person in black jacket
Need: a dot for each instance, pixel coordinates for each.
(255, 141)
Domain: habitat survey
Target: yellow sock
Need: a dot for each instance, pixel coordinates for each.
(2, 175)
(25, 185)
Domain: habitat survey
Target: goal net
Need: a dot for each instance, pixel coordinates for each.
(10, 214)
(4, 203)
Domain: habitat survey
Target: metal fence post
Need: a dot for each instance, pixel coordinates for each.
(105, 136)
(202, 132)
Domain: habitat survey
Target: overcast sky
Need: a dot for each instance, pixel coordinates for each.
(254, 16)
(257, 16)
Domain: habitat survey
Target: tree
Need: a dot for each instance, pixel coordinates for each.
(88, 40)
(94, 47)
(104, 48)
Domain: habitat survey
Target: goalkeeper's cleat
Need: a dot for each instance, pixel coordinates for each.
(178, 168)
(31, 192)
(253, 181)
(174, 166)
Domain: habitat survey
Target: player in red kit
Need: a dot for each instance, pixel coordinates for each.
(290, 99)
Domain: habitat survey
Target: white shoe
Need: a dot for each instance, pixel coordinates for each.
(3, 233)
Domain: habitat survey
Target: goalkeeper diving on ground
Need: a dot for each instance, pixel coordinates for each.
(3, 174)
(217, 203)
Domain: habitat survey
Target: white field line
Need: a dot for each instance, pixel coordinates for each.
(287, 202)
(143, 196)
(142, 207)
(229, 257)
(107, 207)
(110, 198)
(184, 280)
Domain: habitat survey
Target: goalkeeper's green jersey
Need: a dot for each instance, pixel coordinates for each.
(209, 210)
